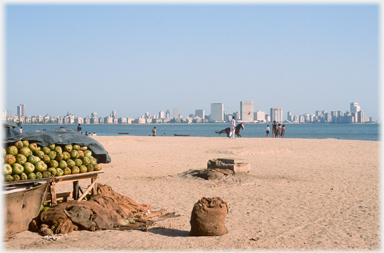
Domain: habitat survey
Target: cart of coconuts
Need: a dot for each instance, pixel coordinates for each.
(34, 162)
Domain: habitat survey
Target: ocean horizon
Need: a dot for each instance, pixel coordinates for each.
(357, 131)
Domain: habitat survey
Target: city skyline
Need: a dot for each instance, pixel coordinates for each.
(83, 58)
(218, 114)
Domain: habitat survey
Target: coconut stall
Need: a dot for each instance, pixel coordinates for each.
(34, 162)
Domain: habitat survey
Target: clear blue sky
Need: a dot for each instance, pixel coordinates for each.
(137, 58)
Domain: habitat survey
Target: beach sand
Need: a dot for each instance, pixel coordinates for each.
(300, 194)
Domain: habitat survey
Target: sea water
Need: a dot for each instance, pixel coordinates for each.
(306, 131)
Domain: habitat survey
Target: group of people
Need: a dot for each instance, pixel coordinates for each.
(86, 133)
(277, 130)
(89, 134)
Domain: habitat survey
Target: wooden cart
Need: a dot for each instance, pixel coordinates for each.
(53, 181)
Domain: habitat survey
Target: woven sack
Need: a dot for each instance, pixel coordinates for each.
(208, 217)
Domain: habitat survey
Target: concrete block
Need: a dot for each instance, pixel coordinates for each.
(234, 164)
(241, 167)
(230, 160)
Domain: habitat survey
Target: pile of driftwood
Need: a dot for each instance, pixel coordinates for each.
(220, 167)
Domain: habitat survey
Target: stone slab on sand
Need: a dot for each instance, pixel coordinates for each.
(235, 164)
(310, 194)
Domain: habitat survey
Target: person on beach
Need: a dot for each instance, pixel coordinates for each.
(20, 129)
(154, 131)
(283, 131)
(94, 134)
(232, 126)
(78, 128)
(274, 129)
(278, 130)
(267, 131)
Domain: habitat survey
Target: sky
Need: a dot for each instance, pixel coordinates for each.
(137, 58)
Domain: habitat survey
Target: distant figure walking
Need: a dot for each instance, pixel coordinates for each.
(20, 129)
(154, 131)
(274, 129)
(267, 131)
(232, 126)
(283, 131)
(78, 128)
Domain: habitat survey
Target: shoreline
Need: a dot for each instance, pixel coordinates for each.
(208, 123)
(300, 194)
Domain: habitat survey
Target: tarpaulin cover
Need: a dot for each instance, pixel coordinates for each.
(60, 136)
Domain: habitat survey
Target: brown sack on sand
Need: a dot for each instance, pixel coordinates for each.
(208, 217)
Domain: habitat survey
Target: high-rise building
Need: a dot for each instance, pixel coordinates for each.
(259, 115)
(176, 113)
(200, 113)
(21, 110)
(354, 107)
(277, 115)
(289, 116)
(167, 114)
(237, 115)
(217, 112)
(161, 115)
(327, 117)
(246, 111)
(360, 117)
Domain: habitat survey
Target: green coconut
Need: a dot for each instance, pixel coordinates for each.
(67, 171)
(38, 175)
(41, 166)
(68, 147)
(75, 170)
(10, 159)
(13, 150)
(21, 159)
(25, 151)
(54, 163)
(83, 169)
(89, 168)
(19, 144)
(97, 167)
(7, 169)
(33, 147)
(28, 167)
(25, 143)
(17, 168)
(46, 150)
(32, 175)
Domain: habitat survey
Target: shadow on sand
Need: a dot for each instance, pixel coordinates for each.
(169, 232)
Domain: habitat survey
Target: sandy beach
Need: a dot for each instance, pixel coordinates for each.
(300, 194)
